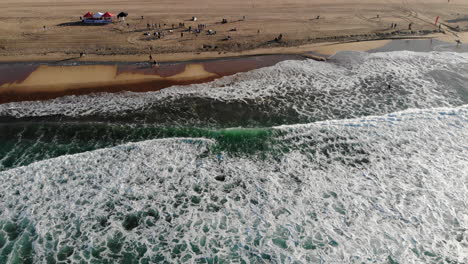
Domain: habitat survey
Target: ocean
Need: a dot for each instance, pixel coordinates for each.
(360, 159)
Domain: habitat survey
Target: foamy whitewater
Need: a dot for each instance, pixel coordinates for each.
(363, 159)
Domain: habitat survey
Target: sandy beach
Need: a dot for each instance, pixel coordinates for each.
(51, 32)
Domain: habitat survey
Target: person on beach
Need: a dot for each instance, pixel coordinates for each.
(150, 57)
(279, 38)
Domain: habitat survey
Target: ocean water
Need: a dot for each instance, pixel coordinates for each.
(361, 159)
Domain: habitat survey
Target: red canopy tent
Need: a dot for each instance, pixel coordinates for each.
(107, 14)
(98, 18)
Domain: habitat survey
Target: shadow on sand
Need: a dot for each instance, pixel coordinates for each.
(456, 20)
(79, 23)
(69, 59)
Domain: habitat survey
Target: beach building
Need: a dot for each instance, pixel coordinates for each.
(98, 18)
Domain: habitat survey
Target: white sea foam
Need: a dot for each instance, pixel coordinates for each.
(374, 189)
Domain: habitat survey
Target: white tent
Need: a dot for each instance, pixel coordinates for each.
(98, 15)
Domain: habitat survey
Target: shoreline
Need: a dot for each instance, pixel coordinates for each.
(27, 80)
(39, 81)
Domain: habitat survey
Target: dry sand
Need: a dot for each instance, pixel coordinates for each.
(22, 36)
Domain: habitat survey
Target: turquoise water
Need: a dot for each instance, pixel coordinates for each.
(24, 143)
(302, 162)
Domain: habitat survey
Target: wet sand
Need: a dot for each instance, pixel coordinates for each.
(421, 45)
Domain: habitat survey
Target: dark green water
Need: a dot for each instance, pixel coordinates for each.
(24, 143)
